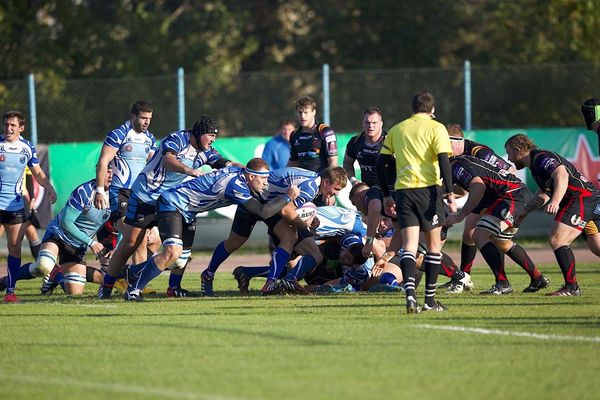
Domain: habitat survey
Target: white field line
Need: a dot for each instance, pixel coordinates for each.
(113, 388)
(89, 305)
(481, 331)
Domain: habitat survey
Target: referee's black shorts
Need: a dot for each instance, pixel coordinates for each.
(421, 207)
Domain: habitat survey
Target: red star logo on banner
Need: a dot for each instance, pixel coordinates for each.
(585, 161)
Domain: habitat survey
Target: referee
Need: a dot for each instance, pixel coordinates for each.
(421, 148)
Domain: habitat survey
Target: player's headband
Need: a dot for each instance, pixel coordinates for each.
(259, 173)
(456, 138)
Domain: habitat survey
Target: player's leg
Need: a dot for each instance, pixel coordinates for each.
(468, 249)
(311, 257)
(74, 278)
(12, 225)
(561, 236)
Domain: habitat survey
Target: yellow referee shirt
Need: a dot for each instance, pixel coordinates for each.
(416, 143)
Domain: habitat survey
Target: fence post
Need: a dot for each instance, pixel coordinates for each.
(32, 109)
(181, 98)
(468, 104)
(326, 100)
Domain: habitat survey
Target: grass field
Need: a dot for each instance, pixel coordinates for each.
(347, 346)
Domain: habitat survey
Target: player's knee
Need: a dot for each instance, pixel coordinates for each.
(44, 264)
(182, 260)
(172, 250)
(74, 282)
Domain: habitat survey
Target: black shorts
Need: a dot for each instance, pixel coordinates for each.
(67, 253)
(172, 226)
(244, 222)
(119, 199)
(576, 210)
(504, 207)
(12, 217)
(421, 207)
(140, 215)
(330, 268)
(108, 235)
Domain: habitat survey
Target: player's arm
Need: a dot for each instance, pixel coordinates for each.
(560, 176)
(67, 223)
(446, 172)
(294, 160)
(43, 180)
(476, 192)
(30, 190)
(373, 218)
(171, 163)
(268, 209)
(348, 165)
(107, 154)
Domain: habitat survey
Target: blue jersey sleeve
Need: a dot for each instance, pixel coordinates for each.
(308, 191)
(237, 191)
(79, 199)
(173, 143)
(115, 137)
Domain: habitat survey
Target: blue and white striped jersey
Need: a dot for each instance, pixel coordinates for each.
(133, 149)
(336, 221)
(217, 189)
(88, 222)
(155, 179)
(280, 180)
(14, 157)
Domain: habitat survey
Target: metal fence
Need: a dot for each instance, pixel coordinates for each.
(253, 102)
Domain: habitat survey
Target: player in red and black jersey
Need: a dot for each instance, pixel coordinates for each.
(563, 192)
(365, 147)
(495, 196)
(462, 146)
(313, 145)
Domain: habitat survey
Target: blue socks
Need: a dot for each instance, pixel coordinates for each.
(219, 255)
(150, 272)
(175, 280)
(14, 264)
(388, 279)
(23, 273)
(252, 272)
(135, 270)
(278, 263)
(305, 264)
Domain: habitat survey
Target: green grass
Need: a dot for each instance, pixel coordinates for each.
(348, 346)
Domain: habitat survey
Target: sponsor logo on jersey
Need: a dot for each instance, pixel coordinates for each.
(2, 157)
(23, 160)
(576, 220)
(435, 220)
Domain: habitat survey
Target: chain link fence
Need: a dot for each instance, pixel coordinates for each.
(252, 103)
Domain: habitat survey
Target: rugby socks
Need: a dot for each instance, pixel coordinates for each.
(219, 255)
(467, 257)
(495, 259)
(252, 272)
(135, 270)
(388, 278)
(14, 264)
(305, 264)
(175, 280)
(566, 262)
(408, 266)
(520, 256)
(34, 247)
(109, 280)
(432, 268)
(448, 268)
(150, 272)
(278, 263)
(24, 273)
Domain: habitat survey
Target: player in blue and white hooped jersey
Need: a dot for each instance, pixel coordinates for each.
(286, 236)
(16, 153)
(177, 209)
(67, 238)
(126, 150)
(180, 155)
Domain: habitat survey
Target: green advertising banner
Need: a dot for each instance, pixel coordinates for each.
(74, 163)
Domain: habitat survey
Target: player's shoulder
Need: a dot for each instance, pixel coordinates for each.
(324, 129)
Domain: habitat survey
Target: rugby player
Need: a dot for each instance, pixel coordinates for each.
(16, 153)
(563, 192)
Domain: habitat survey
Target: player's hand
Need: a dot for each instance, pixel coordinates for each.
(389, 206)
(552, 207)
(377, 269)
(329, 201)
(196, 173)
(293, 192)
(100, 200)
(96, 248)
(367, 249)
(452, 203)
(51, 194)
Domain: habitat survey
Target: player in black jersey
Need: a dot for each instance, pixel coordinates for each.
(313, 144)
(365, 147)
(495, 196)
(563, 192)
(461, 146)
